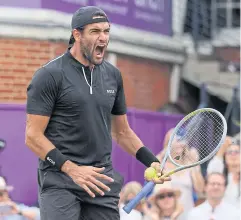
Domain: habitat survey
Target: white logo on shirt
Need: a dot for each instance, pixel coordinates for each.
(110, 91)
(50, 160)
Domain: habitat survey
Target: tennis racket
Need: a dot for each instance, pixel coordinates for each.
(195, 139)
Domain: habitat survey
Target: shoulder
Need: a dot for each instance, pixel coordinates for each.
(51, 70)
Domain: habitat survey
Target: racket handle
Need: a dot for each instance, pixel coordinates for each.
(133, 203)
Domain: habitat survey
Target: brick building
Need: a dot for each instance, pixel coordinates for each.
(150, 63)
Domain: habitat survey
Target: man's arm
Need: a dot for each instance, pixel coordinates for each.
(42, 94)
(130, 142)
(35, 138)
(124, 135)
(40, 145)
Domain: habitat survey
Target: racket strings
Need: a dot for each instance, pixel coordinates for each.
(203, 133)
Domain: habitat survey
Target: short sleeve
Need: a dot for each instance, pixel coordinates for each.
(119, 107)
(42, 93)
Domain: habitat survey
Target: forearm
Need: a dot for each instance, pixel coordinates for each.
(128, 141)
(39, 144)
(46, 151)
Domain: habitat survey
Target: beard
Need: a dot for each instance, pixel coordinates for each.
(87, 50)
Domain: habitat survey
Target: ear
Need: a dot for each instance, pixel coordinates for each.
(77, 35)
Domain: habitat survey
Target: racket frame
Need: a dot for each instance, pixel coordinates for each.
(180, 167)
(150, 185)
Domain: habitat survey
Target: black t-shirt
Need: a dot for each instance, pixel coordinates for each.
(80, 122)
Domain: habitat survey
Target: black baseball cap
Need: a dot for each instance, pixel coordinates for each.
(86, 15)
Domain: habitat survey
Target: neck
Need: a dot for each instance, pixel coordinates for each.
(214, 202)
(75, 52)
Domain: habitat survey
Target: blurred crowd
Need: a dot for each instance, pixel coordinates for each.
(192, 194)
(11, 210)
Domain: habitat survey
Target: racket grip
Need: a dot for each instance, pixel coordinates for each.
(133, 203)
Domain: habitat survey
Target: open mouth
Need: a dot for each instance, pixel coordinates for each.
(100, 50)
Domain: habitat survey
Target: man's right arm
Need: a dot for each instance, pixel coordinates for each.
(42, 94)
(37, 141)
(35, 138)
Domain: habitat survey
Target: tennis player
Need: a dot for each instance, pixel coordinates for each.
(70, 104)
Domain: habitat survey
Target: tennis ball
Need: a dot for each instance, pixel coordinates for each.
(150, 173)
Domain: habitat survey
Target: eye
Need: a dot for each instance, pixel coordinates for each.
(94, 31)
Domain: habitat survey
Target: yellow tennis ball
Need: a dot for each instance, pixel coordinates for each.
(150, 173)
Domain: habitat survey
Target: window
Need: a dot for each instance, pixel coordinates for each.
(221, 17)
(236, 17)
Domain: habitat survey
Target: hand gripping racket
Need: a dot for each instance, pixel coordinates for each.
(195, 139)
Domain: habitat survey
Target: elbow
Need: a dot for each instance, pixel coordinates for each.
(119, 135)
(29, 138)
(114, 136)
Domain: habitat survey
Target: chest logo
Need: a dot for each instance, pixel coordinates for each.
(110, 91)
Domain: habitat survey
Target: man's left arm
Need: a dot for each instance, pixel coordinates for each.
(126, 137)
(130, 142)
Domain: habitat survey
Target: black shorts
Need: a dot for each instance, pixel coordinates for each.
(61, 199)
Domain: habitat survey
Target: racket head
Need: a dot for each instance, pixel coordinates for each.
(197, 137)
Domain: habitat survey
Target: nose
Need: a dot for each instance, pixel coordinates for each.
(103, 36)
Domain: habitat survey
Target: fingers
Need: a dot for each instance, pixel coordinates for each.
(103, 177)
(100, 184)
(86, 188)
(166, 178)
(95, 188)
(161, 180)
(93, 184)
(98, 170)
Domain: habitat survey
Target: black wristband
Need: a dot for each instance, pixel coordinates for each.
(55, 158)
(145, 156)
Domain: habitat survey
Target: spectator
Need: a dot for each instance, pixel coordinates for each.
(10, 210)
(129, 191)
(214, 208)
(227, 161)
(164, 203)
(187, 180)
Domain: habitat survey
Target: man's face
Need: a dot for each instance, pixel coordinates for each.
(215, 187)
(94, 40)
